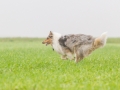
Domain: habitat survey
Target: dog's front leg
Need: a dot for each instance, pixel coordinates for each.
(64, 57)
(70, 56)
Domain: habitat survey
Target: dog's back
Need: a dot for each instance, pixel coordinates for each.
(72, 40)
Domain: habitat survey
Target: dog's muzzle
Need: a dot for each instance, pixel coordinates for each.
(45, 43)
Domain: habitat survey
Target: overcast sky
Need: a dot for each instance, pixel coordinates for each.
(35, 18)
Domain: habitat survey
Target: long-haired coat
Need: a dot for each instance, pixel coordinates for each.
(75, 46)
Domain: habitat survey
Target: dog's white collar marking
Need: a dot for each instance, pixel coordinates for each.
(57, 47)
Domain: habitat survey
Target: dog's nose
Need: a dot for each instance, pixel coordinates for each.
(42, 42)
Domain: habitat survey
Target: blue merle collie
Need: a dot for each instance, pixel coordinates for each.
(75, 46)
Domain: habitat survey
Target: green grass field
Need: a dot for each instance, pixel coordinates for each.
(26, 64)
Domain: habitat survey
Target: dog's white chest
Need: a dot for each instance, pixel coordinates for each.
(58, 49)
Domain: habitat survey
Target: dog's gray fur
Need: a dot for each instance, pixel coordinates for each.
(72, 40)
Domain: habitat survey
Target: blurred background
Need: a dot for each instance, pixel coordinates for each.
(35, 18)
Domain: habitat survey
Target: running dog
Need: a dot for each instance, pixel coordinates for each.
(75, 46)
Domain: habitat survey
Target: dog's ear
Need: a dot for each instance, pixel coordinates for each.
(51, 33)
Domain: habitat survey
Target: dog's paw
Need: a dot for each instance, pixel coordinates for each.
(64, 57)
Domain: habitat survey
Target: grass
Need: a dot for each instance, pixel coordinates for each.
(26, 64)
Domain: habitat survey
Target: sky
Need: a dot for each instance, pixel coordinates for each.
(35, 18)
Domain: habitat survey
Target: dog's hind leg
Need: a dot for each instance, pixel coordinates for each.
(76, 54)
(79, 55)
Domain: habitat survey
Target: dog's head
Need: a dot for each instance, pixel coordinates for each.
(48, 40)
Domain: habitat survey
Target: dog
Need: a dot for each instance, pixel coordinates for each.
(75, 46)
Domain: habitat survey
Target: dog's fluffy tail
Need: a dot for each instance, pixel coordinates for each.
(101, 40)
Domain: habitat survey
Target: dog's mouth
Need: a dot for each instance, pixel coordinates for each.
(45, 43)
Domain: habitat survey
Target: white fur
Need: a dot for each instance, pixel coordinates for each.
(56, 44)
